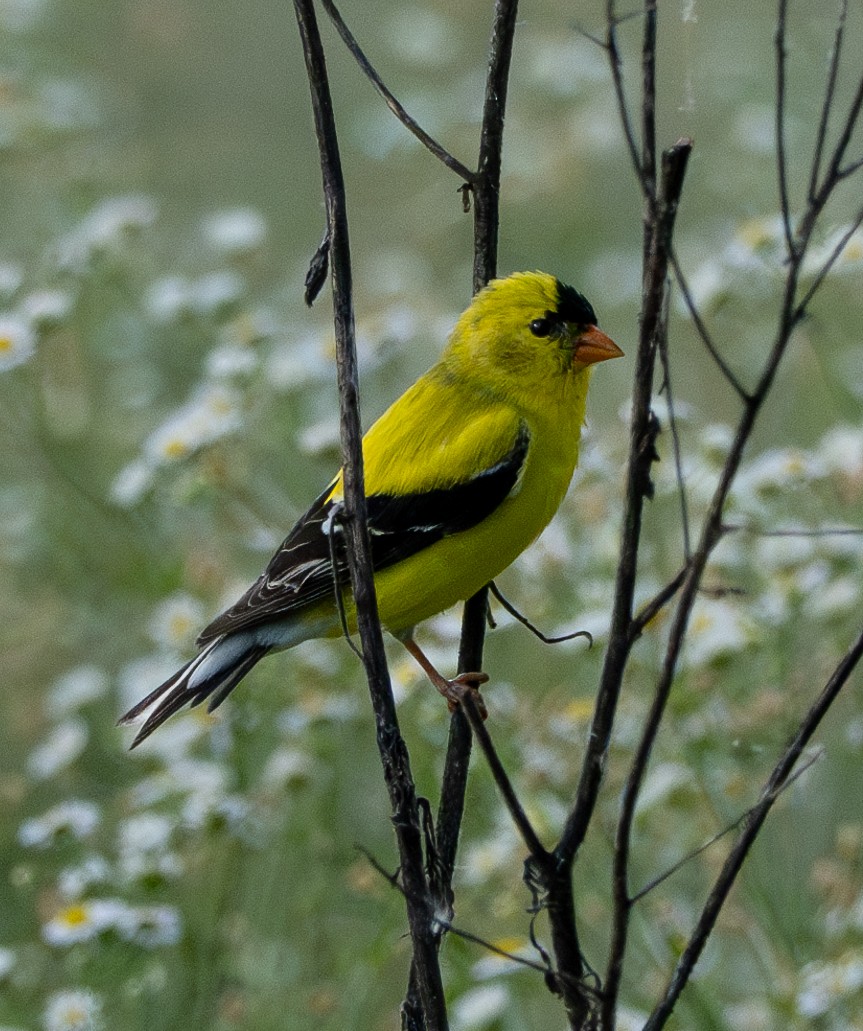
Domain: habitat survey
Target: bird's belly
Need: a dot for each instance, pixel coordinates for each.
(457, 566)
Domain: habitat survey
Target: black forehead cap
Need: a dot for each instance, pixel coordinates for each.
(573, 306)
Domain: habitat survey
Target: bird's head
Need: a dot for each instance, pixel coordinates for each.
(529, 333)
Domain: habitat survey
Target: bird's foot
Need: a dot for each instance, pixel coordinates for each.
(459, 687)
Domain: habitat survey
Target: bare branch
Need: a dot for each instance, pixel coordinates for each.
(427, 140)
(781, 159)
(675, 433)
(657, 603)
(513, 611)
(751, 826)
(703, 332)
(815, 285)
(719, 835)
(829, 95)
(616, 65)
(394, 754)
(504, 784)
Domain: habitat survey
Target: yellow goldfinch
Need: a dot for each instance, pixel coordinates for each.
(462, 473)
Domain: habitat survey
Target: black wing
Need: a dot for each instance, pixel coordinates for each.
(302, 571)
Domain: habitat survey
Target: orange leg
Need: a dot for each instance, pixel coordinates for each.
(453, 690)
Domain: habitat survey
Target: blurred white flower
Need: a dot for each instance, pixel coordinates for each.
(11, 278)
(60, 749)
(297, 364)
(838, 597)
(480, 1007)
(849, 259)
(235, 230)
(104, 229)
(143, 848)
(784, 551)
(75, 818)
(717, 629)
(21, 15)
(212, 412)
(74, 881)
(216, 291)
(168, 299)
(320, 437)
(74, 689)
(662, 781)
(76, 1009)
(152, 927)
(146, 832)
(841, 451)
(17, 341)
(229, 360)
(8, 959)
(47, 308)
(286, 766)
(83, 921)
(826, 984)
(176, 621)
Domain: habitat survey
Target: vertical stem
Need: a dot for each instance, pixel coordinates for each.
(392, 748)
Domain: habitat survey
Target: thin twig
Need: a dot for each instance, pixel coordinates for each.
(719, 835)
(781, 159)
(675, 430)
(519, 817)
(751, 826)
(616, 64)
(657, 603)
(410, 123)
(394, 756)
(833, 257)
(829, 94)
(513, 611)
(703, 332)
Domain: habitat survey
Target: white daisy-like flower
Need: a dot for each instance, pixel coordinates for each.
(60, 749)
(717, 629)
(176, 620)
(17, 341)
(82, 921)
(151, 927)
(47, 308)
(297, 364)
(105, 228)
(212, 412)
(11, 278)
(74, 881)
(75, 818)
(75, 689)
(849, 259)
(169, 298)
(231, 360)
(132, 483)
(76, 1009)
(826, 984)
(216, 291)
(8, 959)
(235, 231)
(481, 1007)
(320, 437)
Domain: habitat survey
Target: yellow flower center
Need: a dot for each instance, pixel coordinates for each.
(74, 916)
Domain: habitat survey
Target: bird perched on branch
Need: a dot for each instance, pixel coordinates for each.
(462, 473)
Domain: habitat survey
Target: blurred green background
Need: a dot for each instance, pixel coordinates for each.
(167, 407)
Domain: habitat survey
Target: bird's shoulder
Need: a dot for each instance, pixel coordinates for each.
(442, 431)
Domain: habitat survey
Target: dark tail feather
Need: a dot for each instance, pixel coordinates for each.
(177, 692)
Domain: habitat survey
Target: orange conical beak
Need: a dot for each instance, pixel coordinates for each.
(594, 346)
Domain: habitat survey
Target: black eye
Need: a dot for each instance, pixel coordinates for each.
(540, 327)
